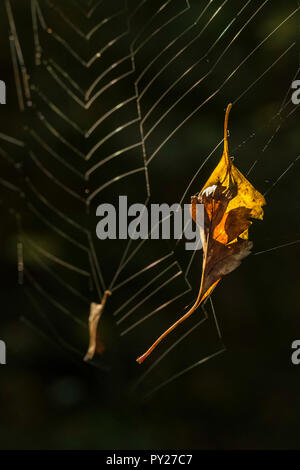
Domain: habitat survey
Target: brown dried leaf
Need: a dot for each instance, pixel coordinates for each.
(95, 344)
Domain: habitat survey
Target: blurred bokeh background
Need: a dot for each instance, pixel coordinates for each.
(247, 397)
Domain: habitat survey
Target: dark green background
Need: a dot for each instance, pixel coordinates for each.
(247, 397)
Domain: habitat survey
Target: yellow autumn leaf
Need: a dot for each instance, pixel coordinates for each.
(227, 174)
(230, 201)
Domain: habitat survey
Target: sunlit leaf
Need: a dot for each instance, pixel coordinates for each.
(230, 202)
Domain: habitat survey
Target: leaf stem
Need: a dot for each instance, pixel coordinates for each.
(184, 317)
(226, 135)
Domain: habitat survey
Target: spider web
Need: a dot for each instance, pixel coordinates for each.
(110, 95)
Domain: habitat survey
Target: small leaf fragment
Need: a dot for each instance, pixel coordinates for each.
(95, 343)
